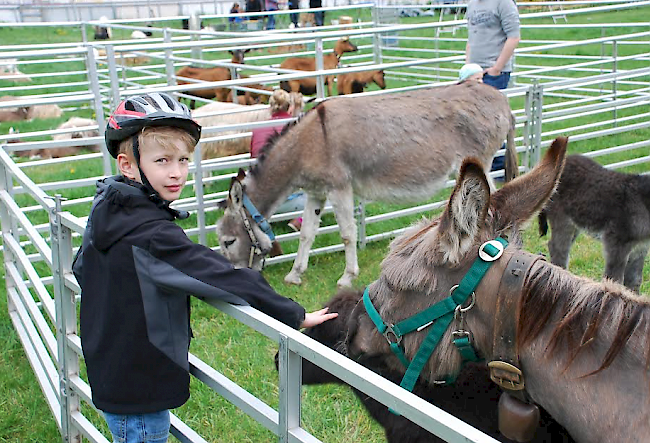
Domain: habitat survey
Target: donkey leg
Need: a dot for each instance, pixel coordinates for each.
(563, 233)
(634, 269)
(343, 204)
(616, 258)
(310, 223)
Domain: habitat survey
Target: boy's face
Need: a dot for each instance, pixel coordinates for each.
(165, 169)
(478, 77)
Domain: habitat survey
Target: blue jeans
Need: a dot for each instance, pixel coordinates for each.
(500, 82)
(139, 428)
(270, 21)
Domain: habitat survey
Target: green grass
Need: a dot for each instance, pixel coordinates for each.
(332, 413)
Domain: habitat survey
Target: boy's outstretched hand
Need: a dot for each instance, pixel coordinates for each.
(317, 317)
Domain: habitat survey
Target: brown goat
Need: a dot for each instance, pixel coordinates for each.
(215, 74)
(355, 82)
(307, 86)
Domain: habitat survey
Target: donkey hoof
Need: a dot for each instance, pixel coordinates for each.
(344, 282)
(293, 279)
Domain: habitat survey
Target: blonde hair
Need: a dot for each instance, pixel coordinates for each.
(160, 136)
(279, 101)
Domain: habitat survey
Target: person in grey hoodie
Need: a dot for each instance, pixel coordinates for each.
(493, 35)
(137, 268)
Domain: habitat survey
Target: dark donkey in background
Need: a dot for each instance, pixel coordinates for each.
(472, 398)
(398, 147)
(581, 346)
(613, 205)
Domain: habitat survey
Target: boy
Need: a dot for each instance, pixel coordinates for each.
(137, 268)
(470, 71)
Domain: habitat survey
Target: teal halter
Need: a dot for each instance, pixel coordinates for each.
(438, 316)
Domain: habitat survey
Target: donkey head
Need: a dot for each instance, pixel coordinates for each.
(425, 262)
(242, 240)
(344, 45)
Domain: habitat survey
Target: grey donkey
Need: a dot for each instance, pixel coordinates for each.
(611, 205)
(395, 147)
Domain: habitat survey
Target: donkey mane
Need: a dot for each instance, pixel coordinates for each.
(270, 143)
(273, 140)
(587, 307)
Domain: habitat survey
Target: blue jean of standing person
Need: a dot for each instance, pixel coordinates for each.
(139, 428)
(270, 21)
(500, 82)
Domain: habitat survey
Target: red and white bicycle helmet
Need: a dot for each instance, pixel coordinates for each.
(140, 111)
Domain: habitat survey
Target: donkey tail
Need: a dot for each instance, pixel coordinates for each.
(512, 161)
(543, 223)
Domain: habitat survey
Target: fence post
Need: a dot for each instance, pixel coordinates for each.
(614, 83)
(320, 81)
(195, 25)
(66, 321)
(528, 129)
(376, 38)
(91, 65)
(360, 214)
(112, 75)
(169, 62)
(290, 369)
(198, 192)
(538, 101)
(8, 225)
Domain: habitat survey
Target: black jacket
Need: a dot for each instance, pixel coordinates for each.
(137, 269)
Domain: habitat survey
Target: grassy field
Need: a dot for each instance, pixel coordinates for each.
(331, 413)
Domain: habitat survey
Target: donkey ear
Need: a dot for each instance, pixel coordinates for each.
(518, 200)
(236, 195)
(465, 212)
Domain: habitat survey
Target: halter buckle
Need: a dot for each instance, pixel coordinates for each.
(506, 375)
(390, 330)
(488, 256)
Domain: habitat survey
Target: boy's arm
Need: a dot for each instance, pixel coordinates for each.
(177, 263)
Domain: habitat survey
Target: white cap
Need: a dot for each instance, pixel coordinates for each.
(468, 70)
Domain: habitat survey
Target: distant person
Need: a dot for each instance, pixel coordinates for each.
(294, 4)
(493, 35)
(235, 9)
(282, 106)
(319, 16)
(470, 71)
(254, 6)
(137, 268)
(271, 5)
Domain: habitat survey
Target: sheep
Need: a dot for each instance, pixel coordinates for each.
(9, 71)
(74, 122)
(44, 111)
(14, 113)
(307, 86)
(249, 114)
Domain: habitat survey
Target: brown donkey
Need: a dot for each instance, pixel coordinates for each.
(576, 347)
(392, 147)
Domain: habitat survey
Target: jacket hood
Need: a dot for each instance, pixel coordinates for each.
(120, 206)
